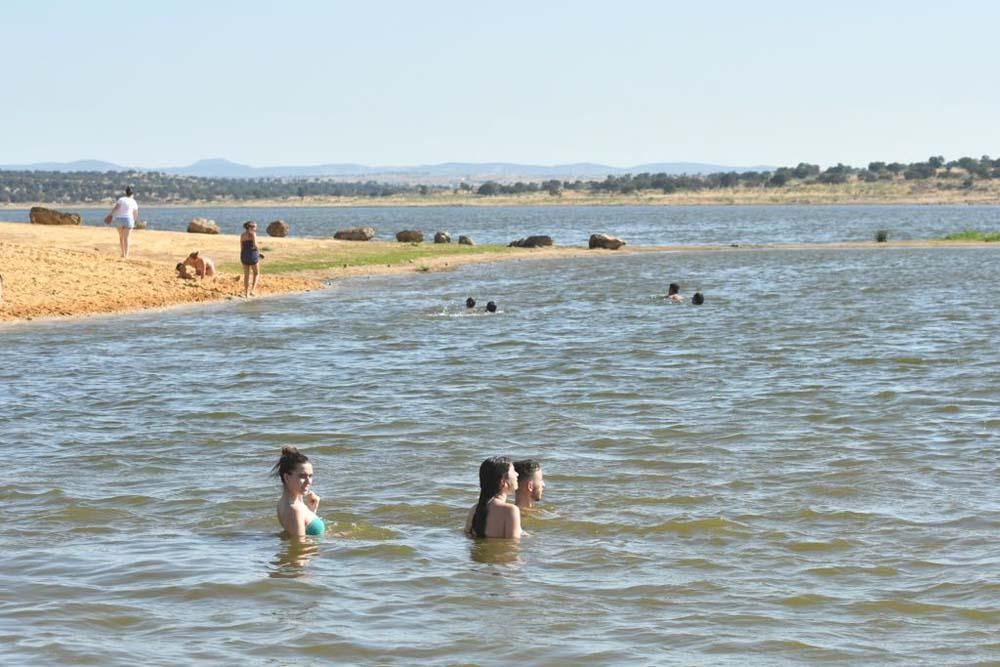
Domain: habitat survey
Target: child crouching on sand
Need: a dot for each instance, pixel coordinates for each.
(203, 266)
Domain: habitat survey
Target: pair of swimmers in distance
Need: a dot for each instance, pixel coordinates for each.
(674, 294)
(470, 303)
(492, 516)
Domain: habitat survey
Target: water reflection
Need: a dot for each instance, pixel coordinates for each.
(290, 562)
(496, 552)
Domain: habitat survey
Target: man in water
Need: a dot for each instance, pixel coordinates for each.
(491, 307)
(470, 303)
(530, 483)
(698, 299)
(674, 293)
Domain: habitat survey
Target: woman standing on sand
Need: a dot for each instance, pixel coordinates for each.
(493, 516)
(249, 257)
(298, 503)
(123, 216)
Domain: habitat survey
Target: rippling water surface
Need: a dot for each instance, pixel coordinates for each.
(804, 469)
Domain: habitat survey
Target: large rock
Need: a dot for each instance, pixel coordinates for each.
(532, 242)
(442, 237)
(465, 240)
(203, 226)
(355, 234)
(410, 236)
(277, 228)
(605, 241)
(39, 215)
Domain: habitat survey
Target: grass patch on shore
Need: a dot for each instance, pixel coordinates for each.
(973, 235)
(363, 254)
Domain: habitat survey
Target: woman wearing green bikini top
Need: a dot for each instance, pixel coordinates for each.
(298, 503)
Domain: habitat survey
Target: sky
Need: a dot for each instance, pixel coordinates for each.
(160, 84)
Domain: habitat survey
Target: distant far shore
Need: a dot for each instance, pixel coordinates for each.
(921, 192)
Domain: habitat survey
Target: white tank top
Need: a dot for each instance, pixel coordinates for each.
(125, 207)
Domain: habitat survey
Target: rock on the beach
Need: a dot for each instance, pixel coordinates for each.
(442, 237)
(531, 242)
(410, 236)
(203, 226)
(39, 215)
(277, 228)
(605, 241)
(465, 240)
(355, 234)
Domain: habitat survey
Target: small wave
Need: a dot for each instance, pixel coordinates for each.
(716, 525)
(900, 606)
(877, 571)
(808, 547)
(806, 600)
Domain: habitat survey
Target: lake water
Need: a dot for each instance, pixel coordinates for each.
(803, 470)
(638, 225)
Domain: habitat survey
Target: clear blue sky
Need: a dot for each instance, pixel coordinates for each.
(543, 81)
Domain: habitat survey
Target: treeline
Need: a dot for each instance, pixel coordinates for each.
(960, 173)
(156, 187)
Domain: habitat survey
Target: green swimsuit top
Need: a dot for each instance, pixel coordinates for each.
(316, 527)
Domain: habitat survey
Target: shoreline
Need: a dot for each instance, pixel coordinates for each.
(897, 193)
(55, 272)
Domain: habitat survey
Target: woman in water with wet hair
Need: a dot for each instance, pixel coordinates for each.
(493, 516)
(298, 503)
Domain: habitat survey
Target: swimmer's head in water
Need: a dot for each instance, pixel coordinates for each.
(289, 462)
(529, 477)
(470, 303)
(496, 475)
(491, 307)
(673, 289)
(698, 299)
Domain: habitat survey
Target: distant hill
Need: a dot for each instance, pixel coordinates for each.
(432, 173)
(79, 165)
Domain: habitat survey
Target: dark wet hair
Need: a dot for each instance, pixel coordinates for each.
(246, 225)
(291, 458)
(673, 289)
(470, 303)
(129, 191)
(491, 307)
(526, 468)
(698, 299)
(492, 472)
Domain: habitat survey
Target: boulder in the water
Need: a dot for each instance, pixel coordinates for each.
(605, 241)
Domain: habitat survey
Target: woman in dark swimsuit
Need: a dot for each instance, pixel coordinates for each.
(249, 257)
